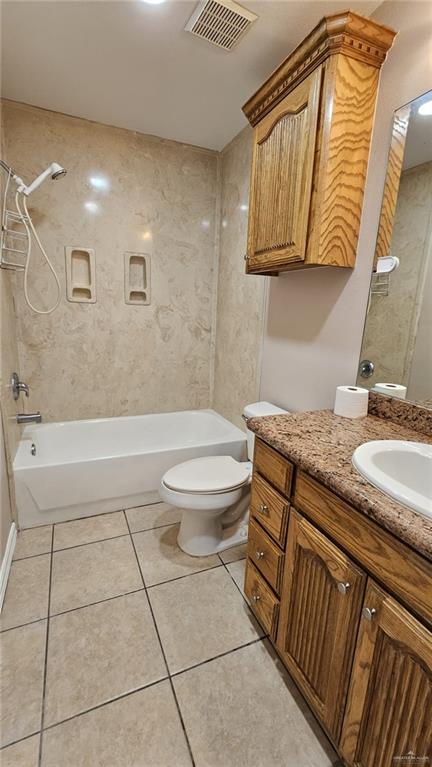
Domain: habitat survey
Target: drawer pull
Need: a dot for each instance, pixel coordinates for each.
(369, 613)
(343, 587)
(259, 554)
(263, 509)
(256, 597)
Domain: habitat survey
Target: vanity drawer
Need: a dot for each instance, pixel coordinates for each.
(267, 557)
(274, 467)
(262, 600)
(269, 508)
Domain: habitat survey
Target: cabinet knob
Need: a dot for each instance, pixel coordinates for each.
(263, 509)
(369, 613)
(343, 587)
(256, 597)
(259, 554)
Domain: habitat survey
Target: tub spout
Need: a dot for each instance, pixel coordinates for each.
(29, 417)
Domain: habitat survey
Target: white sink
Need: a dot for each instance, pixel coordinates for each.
(400, 469)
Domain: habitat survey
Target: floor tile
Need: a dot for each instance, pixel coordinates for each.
(162, 560)
(237, 571)
(200, 617)
(154, 515)
(98, 653)
(79, 531)
(232, 555)
(35, 540)
(91, 573)
(22, 754)
(22, 659)
(242, 710)
(26, 597)
(141, 730)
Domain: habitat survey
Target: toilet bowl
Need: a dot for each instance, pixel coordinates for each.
(213, 494)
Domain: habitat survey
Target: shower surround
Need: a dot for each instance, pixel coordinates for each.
(123, 192)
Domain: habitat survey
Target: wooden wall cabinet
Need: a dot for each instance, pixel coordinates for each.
(312, 124)
(362, 659)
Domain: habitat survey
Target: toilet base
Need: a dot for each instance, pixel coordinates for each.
(201, 535)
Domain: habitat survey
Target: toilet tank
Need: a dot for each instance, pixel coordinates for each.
(255, 410)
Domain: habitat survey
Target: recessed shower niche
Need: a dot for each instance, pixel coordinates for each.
(137, 278)
(80, 275)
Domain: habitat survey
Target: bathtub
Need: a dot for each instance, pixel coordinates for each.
(82, 468)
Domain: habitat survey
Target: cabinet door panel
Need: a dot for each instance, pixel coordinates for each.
(388, 718)
(320, 606)
(281, 182)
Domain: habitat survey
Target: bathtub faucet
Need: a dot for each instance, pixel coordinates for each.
(29, 417)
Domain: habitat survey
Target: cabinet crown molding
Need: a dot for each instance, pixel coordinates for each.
(347, 33)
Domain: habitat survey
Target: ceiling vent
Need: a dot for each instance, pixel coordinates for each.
(221, 22)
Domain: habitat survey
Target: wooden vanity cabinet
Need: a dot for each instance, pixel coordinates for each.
(322, 593)
(312, 124)
(329, 597)
(389, 708)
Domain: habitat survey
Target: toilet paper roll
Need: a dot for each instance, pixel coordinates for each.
(351, 401)
(394, 390)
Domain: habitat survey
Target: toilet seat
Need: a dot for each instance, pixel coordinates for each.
(208, 476)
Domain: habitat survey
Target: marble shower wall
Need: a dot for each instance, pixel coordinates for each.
(10, 431)
(393, 321)
(123, 192)
(240, 297)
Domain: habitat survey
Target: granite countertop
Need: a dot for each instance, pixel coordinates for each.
(322, 444)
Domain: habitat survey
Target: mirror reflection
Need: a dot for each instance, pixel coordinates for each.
(396, 354)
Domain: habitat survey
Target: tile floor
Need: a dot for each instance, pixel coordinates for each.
(118, 650)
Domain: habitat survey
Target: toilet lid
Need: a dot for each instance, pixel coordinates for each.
(207, 475)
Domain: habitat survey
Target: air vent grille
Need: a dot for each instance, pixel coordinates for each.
(221, 23)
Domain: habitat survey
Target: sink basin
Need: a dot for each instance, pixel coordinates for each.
(400, 469)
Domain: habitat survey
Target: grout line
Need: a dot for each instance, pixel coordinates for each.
(163, 653)
(158, 527)
(68, 548)
(99, 601)
(20, 740)
(23, 625)
(225, 564)
(90, 543)
(44, 685)
(216, 657)
(97, 540)
(180, 577)
(72, 610)
(106, 703)
(30, 556)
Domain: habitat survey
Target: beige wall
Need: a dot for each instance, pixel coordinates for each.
(109, 358)
(315, 320)
(392, 320)
(240, 298)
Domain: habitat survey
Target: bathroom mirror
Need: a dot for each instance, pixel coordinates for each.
(397, 338)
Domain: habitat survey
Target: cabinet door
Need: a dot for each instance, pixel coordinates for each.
(281, 180)
(321, 599)
(388, 719)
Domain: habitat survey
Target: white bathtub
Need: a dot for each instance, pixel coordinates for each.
(82, 468)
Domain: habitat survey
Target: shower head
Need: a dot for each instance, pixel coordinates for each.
(57, 171)
(54, 170)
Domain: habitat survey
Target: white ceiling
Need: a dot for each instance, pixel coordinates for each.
(130, 64)
(418, 147)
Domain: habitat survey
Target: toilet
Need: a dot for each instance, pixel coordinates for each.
(213, 493)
